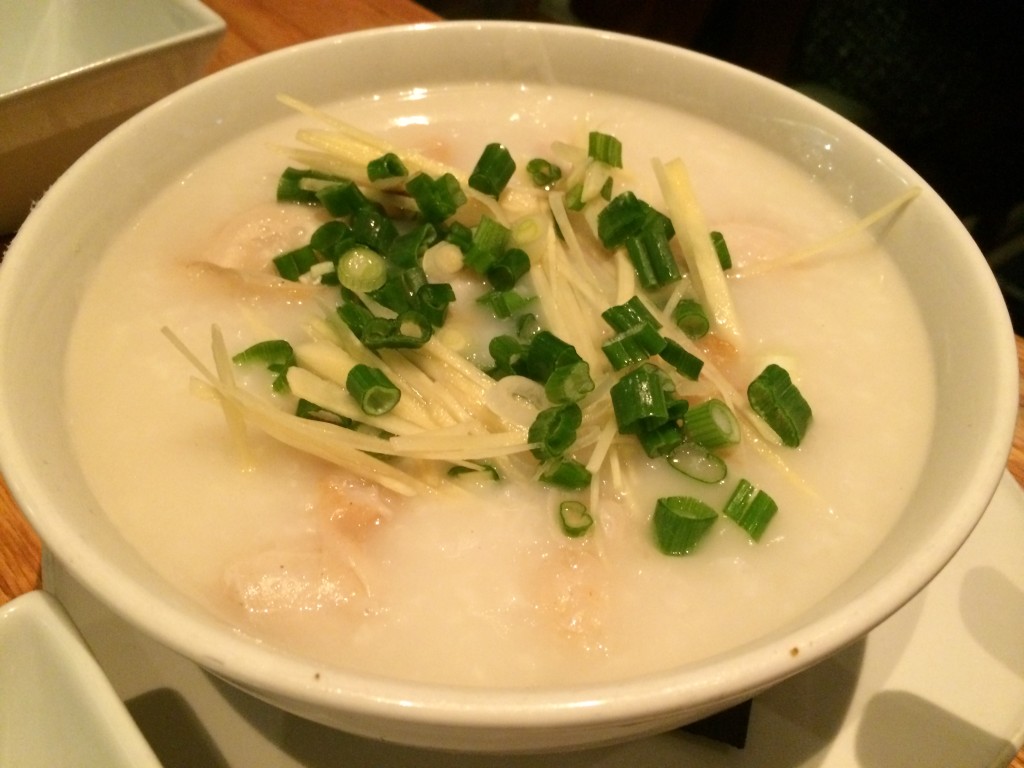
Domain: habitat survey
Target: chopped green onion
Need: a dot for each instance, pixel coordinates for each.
(387, 166)
(329, 237)
(276, 354)
(680, 522)
(372, 389)
(622, 317)
(409, 330)
(400, 290)
(362, 269)
(690, 317)
(437, 199)
(751, 509)
(622, 217)
(604, 148)
(506, 351)
(566, 473)
(460, 235)
(607, 188)
(504, 304)
(527, 326)
(554, 430)
(300, 186)
(546, 353)
(712, 424)
(569, 383)
(661, 440)
(574, 518)
(343, 198)
(574, 197)
(684, 362)
(776, 399)
(697, 462)
(638, 400)
(634, 345)
(479, 467)
(408, 248)
(294, 264)
(268, 352)
(433, 299)
(305, 409)
(505, 271)
(355, 315)
(372, 227)
(493, 170)
(721, 250)
(543, 172)
(489, 238)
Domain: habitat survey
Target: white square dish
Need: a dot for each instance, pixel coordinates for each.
(57, 707)
(70, 72)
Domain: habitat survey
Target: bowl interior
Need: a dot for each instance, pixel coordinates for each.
(50, 261)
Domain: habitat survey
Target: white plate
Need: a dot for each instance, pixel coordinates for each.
(56, 707)
(940, 683)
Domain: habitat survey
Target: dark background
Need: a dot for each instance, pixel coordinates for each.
(940, 83)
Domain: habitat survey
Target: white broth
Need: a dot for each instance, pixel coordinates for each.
(480, 586)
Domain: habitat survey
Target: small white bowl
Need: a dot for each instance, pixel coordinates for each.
(57, 707)
(49, 263)
(72, 71)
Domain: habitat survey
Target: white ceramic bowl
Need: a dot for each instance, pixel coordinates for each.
(70, 72)
(50, 261)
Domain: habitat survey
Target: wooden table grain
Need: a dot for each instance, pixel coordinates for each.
(255, 27)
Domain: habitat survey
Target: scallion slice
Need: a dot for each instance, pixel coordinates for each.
(685, 363)
(296, 185)
(574, 518)
(505, 271)
(362, 269)
(493, 170)
(372, 227)
(488, 243)
(554, 430)
(569, 383)
(566, 473)
(712, 424)
(604, 148)
(751, 509)
(543, 172)
(277, 354)
(661, 440)
(638, 400)
(622, 317)
(372, 389)
(624, 216)
(690, 317)
(680, 522)
(504, 304)
(295, 263)
(437, 199)
(343, 198)
(409, 330)
(408, 248)
(721, 250)
(698, 463)
(634, 345)
(433, 299)
(387, 166)
(776, 399)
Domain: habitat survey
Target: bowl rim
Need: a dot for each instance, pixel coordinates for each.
(261, 670)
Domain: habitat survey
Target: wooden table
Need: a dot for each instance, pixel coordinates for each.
(255, 27)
